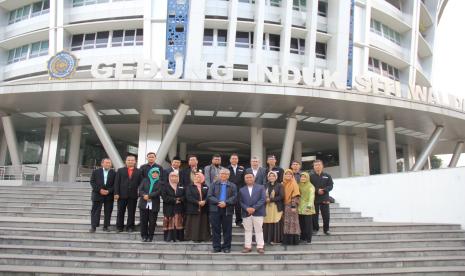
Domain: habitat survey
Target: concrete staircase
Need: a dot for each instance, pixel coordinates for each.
(44, 231)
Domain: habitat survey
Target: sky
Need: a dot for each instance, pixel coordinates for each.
(449, 56)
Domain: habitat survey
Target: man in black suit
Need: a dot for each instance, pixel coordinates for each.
(187, 174)
(175, 165)
(323, 183)
(151, 158)
(257, 171)
(127, 181)
(271, 166)
(237, 177)
(102, 182)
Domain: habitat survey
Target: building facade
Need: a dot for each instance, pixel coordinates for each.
(348, 82)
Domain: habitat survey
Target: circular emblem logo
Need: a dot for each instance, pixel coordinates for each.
(62, 65)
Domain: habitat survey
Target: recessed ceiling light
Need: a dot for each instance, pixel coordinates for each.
(331, 121)
(226, 113)
(129, 111)
(249, 114)
(271, 115)
(314, 119)
(206, 113)
(376, 126)
(85, 113)
(71, 113)
(348, 123)
(397, 129)
(405, 132)
(52, 114)
(110, 112)
(161, 111)
(188, 113)
(365, 125)
(300, 117)
(33, 115)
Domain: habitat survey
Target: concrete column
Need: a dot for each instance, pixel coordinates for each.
(52, 35)
(390, 146)
(360, 158)
(103, 135)
(298, 151)
(343, 143)
(183, 150)
(432, 141)
(285, 43)
(288, 143)
(150, 136)
(256, 142)
(193, 63)
(409, 156)
(172, 131)
(12, 142)
(74, 150)
(258, 32)
(383, 164)
(60, 32)
(232, 27)
(155, 13)
(49, 153)
(310, 39)
(3, 150)
(455, 157)
(173, 149)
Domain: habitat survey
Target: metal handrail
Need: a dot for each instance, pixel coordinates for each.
(23, 172)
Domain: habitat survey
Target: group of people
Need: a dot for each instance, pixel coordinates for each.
(277, 205)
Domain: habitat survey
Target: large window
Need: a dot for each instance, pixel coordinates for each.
(395, 3)
(320, 50)
(28, 51)
(29, 11)
(116, 38)
(274, 3)
(383, 69)
(384, 31)
(322, 8)
(222, 37)
(298, 46)
(214, 37)
(244, 39)
(208, 37)
(299, 5)
(271, 42)
(80, 3)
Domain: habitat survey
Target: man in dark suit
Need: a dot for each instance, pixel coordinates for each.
(222, 197)
(252, 199)
(187, 174)
(102, 182)
(323, 183)
(175, 165)
(271, 166)
(127, 181)
(151, 158)
(258, 172)
(237, 177)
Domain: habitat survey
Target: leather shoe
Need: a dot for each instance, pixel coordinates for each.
(105, 229)
(216, 251)
(327, 233)
(119, 230)
(92, 230)
(227, 250)
(261, 251)
(246, 250)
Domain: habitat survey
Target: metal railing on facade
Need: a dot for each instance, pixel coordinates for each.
(23, 172)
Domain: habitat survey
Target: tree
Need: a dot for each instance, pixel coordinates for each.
(436, 162)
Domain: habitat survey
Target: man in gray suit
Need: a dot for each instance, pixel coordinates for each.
(212, 171)
(258, 172)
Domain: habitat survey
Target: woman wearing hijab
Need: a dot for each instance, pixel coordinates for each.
(197, 224)
(306, 207)
(173, 198)
(273, 222)
(149, 203)
(291, 203)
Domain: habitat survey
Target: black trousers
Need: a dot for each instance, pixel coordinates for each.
(324, 214)
(148, 221)
(220, 222)
(306, 227)
(238, 213)
(130, 204)
(97, 210)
